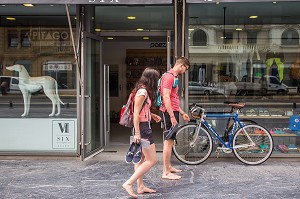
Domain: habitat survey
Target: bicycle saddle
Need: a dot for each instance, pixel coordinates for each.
(238, 105)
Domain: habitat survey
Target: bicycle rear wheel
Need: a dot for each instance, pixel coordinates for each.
(260, 151)
(192, 147)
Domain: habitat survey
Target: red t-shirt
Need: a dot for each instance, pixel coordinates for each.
(167, 82)
(145, 115)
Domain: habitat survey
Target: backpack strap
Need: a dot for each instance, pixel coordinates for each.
(144, 103)
(159, 85)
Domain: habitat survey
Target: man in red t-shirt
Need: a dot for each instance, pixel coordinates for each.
(170, 110)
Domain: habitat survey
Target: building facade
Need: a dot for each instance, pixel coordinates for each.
(95, 51)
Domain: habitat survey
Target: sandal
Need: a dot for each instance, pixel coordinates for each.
(283, 148)
(168, 134)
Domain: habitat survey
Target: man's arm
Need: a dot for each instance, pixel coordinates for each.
(184, 115)
(167, 100)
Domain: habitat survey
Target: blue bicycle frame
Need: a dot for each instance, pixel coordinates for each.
(223, 115)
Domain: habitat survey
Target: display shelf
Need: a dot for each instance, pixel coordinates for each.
(263, 117)
(284, 135)
(137, 60)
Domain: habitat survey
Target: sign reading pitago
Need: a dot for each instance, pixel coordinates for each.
(124, 2)
(49, 37)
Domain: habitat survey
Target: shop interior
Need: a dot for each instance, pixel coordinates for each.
(229, 52)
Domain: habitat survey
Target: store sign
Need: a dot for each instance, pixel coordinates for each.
(36, 135)
(88, 1)
(63, 134)
(158, 45)
(57, 67)
(49, 37)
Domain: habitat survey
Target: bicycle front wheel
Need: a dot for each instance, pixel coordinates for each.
(255, 150)
(193, 144)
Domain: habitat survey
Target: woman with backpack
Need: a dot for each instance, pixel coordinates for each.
(143, 158)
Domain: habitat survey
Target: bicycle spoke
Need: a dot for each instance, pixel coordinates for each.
(192, 147)
(261, 149)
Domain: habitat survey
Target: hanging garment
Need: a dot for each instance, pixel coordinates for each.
(203, 75)
(278, 58)
(195, 72)
(279, 67)
(200, 76)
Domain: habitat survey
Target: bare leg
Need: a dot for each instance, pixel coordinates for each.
(167, 150)
(150, 161)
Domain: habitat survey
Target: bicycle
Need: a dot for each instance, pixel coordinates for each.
(251, 143)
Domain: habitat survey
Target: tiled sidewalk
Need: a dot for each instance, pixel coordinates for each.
(102, 176)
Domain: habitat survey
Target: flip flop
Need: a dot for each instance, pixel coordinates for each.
(168, 134)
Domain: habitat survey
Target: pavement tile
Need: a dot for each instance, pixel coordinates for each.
(102, 176)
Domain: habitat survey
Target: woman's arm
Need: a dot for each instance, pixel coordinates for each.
(138, 103)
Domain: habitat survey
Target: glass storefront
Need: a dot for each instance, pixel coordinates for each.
(38, 79)
(248, 52)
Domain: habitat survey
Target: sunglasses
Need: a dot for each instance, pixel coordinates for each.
(186, 67)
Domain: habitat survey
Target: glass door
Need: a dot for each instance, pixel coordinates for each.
(93, 100)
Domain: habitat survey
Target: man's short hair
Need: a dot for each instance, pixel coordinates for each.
(184, 61)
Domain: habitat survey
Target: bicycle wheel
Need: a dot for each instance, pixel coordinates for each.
(192, 147)
(259, 151)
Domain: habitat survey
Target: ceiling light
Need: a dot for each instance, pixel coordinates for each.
(217, 2)
(131, 17)
(191, 29)
(28, 5)
(51, 5)
(145, 38)
(253, 17)
(238, 29)
(11, 18)
(3, 5)
(274, 2)
(97, 29)
(110, 38)
(140, 29)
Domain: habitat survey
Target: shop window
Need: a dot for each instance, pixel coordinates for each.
(251, 37)
(290, 37)
(199, 38)
(62, 72)
(228, 38)
(13, 39)
(25, 38)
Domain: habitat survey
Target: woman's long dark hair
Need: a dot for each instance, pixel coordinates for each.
(148, 81)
